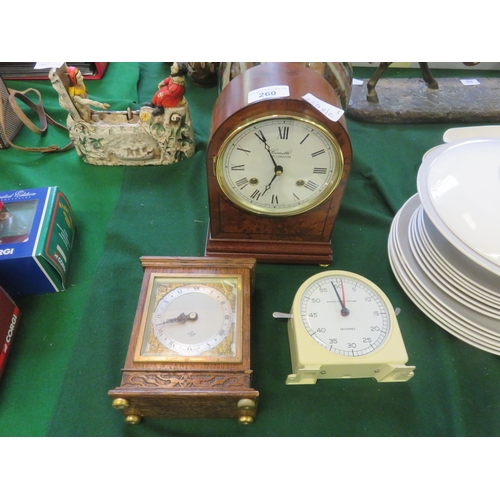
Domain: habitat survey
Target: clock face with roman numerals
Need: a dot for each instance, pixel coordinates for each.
(279, 166)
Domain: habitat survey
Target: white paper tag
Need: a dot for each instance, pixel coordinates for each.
(331, 112)
(48, 65)
(356, 81)
(470, 81)
(268, 93)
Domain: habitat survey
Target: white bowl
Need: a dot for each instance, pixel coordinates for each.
(459, 188)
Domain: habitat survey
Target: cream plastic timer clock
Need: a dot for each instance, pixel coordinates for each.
(342, 325)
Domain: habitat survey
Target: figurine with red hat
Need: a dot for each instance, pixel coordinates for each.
(79, 94)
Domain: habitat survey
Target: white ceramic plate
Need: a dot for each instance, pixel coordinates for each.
(459, 188)
(435, 298)
(442, 319)
(450, 287)
(447, 273)
(461, 268)
(424, 302)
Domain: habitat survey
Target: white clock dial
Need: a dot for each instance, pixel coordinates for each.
(279, 166)
(193, 319)
(345, 315)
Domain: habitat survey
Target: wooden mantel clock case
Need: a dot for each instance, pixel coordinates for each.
(189, 352)
(277, 167)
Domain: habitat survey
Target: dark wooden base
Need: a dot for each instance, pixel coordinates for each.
(271, 251)
(186, 403)
(409, 100)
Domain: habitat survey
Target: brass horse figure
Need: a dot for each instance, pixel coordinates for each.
(372, 96)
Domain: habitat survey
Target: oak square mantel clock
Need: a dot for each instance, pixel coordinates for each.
(189, 352)
(277, 166)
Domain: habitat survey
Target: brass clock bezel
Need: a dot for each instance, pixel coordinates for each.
(277, 212)
(146, 328)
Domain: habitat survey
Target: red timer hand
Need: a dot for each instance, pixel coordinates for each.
(343, 311)
(343, 294)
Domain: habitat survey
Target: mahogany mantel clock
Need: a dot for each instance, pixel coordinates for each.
(278, 159)
(189, 352)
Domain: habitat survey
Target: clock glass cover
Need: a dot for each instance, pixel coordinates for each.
(345, 315)
(279, 166)
(191, 319)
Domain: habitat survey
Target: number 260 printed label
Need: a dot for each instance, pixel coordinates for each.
(270, 92)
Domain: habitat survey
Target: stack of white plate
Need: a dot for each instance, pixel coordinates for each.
(444, 243)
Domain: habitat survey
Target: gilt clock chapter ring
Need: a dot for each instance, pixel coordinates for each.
(169, 315)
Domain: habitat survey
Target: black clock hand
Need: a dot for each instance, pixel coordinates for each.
(343, 311)
(277, 168)
(277, 171)
(182, 318)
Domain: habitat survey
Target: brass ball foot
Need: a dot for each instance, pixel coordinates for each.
(133, 419)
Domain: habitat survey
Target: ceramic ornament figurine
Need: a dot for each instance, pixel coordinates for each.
(170, 92)
(160, 133)
(79, 95)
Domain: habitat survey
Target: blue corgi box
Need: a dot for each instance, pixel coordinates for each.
(36, 236)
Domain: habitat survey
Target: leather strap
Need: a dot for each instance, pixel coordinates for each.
(42, 115)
